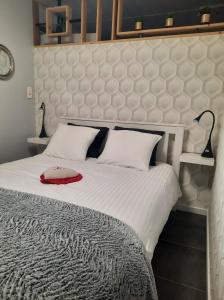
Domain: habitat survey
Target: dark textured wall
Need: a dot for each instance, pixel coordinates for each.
(153, 12)
(185, 12)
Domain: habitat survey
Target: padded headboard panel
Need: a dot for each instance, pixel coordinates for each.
(169, 80)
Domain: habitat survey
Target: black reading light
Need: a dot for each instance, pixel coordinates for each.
(43, 131)
(208, 149)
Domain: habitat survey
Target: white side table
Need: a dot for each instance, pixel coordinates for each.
(38, 141)
(196, 158)
(40, 144)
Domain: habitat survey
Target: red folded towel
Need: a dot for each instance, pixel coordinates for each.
(58, 175)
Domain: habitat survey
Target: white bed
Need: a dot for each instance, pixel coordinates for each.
(141, 199)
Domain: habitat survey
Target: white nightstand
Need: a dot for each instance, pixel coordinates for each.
(196, 158)
(38, 141)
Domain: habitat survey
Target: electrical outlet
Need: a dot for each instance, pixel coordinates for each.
(29, 92)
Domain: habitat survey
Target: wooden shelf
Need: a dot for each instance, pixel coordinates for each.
(134, 39)
(173, 30)
(196, 158)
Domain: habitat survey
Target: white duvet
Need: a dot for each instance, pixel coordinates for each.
(141, 199)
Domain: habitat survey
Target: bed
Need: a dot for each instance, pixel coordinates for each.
(140, 200)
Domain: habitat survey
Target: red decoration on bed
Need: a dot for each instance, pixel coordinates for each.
(60, 180)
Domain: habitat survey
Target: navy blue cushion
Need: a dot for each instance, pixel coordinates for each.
(97, 146)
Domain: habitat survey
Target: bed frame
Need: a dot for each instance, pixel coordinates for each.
(171, 130)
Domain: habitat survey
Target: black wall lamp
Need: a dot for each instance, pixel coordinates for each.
(43, 133)
(208, 149)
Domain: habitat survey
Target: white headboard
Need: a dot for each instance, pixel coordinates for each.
(177, 130)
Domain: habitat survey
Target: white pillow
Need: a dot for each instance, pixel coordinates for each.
(71, 142)
(129, 149)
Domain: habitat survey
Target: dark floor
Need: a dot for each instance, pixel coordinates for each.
(179, 261)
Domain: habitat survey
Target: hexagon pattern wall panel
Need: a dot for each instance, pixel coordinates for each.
(160, 80)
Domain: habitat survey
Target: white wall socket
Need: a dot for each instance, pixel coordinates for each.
(29, 92)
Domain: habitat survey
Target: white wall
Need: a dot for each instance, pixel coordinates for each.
(16, 112)
(217, 225)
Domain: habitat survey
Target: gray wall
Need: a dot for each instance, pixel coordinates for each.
(16, 112)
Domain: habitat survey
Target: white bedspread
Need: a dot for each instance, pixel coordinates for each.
(143, 200)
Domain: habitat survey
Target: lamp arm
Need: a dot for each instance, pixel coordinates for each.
(43, 113)
(43, 133)
(208, 149)
(213, 124)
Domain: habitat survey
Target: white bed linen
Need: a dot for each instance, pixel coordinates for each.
(141, 199)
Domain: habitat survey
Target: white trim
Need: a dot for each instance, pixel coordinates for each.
(191, 209)
(208, 261)
(122, 122)
(170, 129)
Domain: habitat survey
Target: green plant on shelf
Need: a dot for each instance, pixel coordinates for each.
(170, 15)
(205, 10)
(139, 19)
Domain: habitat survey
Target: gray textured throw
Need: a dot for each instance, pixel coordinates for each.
(54, 250)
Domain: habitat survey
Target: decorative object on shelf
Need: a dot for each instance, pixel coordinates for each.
(208, 149)
(169, 20)
(138, 24)
(189, 29)
(61, 23)
(43, 133)
(205, 13)
(7, 63)
(58, 20)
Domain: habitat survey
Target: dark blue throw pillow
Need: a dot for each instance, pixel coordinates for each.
(97, 146)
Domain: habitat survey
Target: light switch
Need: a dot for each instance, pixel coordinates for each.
(29, 92)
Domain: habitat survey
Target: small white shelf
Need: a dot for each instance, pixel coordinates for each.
(196, 158)
(38, 141)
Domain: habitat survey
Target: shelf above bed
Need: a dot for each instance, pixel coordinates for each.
(173, 30)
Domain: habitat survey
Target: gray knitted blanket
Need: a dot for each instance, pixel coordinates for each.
(54, 250)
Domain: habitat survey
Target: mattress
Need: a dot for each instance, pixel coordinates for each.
(141, 199)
